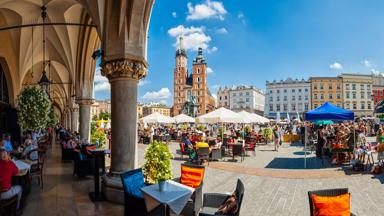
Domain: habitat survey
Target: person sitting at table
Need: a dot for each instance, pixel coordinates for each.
(28, 148)
(188, 147)
(8, 169)
(7, 143)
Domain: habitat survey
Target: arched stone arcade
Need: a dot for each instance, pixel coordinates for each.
(120, 29)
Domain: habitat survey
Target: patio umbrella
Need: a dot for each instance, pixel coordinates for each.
(323, 122)
(249, 118)
(156, 117)
(182, 118)
(262, 119)
(221, 115)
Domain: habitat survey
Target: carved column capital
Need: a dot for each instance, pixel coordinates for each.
(85, 101)
(130, 68)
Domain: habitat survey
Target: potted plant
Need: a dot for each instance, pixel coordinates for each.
(34, 109)
(157, 167)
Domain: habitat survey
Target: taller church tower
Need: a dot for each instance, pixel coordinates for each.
(180, 76)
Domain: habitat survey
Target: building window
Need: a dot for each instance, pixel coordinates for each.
(362, 95)
(306, 90)
(330, 96)
(285, 107)
(225, 97)
(329, 85)
(306, 97)
(293, 97)
(353, 95)
(285, 90)
(321, 85)
(362, 86)
(270, 107)
(315, 96)
(278, 91)
(315, 86)
(338, 87)
(321, 96)
(353, 86)
(362, 105)
(270, 91)
(285, 98)
(354, 106)
(369, 105)
(347, 86)
(315, 106)
(246, 99)
(293, 107)
(198, 70)
(348, 95)
(338, 96)
(293, 90)
(278, 98)
(299, 90)
(247, 93)
(299, 97)
(306, 107)
(271, 99)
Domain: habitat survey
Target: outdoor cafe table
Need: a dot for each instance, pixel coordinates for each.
(175, 196)
(22, 178)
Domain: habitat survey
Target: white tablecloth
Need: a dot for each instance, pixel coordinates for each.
(21, 165)
(175, 196)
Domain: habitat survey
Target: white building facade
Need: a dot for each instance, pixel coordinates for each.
(238, 98)
(223, 98)
(357, 91)
(287, 96)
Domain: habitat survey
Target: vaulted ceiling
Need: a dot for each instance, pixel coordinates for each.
(68, 47)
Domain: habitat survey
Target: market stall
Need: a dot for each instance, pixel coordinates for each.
(325, 112)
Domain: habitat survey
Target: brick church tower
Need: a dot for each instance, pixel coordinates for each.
(186, 85)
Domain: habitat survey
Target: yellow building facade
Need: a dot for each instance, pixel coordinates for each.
(325, 89)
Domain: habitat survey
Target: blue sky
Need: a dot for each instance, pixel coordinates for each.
(251, 41)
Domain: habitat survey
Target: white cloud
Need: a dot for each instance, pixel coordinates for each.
(101, 82)
(209, 70)
(207, 10)
(336, 66)
(222, 31)
(174, 14)
(214, 49)
(241, 17)
(102, 87)
(194, 37)
(162, 94)
(144, 82)
(368, 64)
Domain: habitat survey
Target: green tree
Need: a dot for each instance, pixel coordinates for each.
(99, 136)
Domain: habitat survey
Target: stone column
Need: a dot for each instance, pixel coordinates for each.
(124, 76)
(75, 119)
(85, 117)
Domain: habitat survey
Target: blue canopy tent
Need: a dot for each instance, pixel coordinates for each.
(327, 111)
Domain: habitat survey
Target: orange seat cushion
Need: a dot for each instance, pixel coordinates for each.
(332, 205)
(192, 176)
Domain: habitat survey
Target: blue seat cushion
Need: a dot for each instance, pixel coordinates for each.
(133, 184)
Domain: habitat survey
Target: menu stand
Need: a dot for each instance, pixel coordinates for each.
(98, 154)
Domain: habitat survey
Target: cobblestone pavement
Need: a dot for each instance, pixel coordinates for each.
(65, 194)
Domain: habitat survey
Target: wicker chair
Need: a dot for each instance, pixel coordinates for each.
(37, 168)
(327, 192)
(8, 206)
(237, 150)
(212, 201)
(134, 204)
